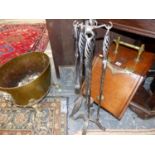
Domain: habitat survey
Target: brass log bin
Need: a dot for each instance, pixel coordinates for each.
(23, 66)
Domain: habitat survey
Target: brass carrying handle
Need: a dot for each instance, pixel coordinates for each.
(139, 48)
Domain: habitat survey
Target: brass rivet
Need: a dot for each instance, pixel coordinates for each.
(102, 97)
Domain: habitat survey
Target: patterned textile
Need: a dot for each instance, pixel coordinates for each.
(44, 118)
(21, 38)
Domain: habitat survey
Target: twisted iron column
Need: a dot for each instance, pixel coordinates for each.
(106, 44)
(80, 41)
(89, 49)
(77, 56)
(81, 47)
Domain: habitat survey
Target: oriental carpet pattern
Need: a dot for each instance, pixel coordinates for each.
(17, 39)
(44, 118)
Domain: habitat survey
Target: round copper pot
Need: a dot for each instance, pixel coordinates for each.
(23, 66)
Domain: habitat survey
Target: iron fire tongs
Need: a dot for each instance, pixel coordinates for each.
(106, 44)
(77, 55)
(80, 41)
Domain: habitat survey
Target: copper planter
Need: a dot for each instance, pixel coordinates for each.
(14, 71)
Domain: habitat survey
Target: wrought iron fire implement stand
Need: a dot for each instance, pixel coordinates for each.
(87, 48)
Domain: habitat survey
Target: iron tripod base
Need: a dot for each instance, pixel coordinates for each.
(86, 117)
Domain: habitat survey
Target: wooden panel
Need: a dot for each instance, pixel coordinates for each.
(120, 86)
(144, 27)
(62, 41)
(143, 103)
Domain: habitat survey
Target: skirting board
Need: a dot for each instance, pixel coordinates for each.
(120, 132)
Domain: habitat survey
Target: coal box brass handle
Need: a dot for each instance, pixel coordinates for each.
(140, 49)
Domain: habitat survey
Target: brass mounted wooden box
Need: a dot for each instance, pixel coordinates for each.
(123, 77)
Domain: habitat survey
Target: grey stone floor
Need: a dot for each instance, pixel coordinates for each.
(130, 120)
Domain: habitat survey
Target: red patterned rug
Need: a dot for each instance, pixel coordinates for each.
(21, 38)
